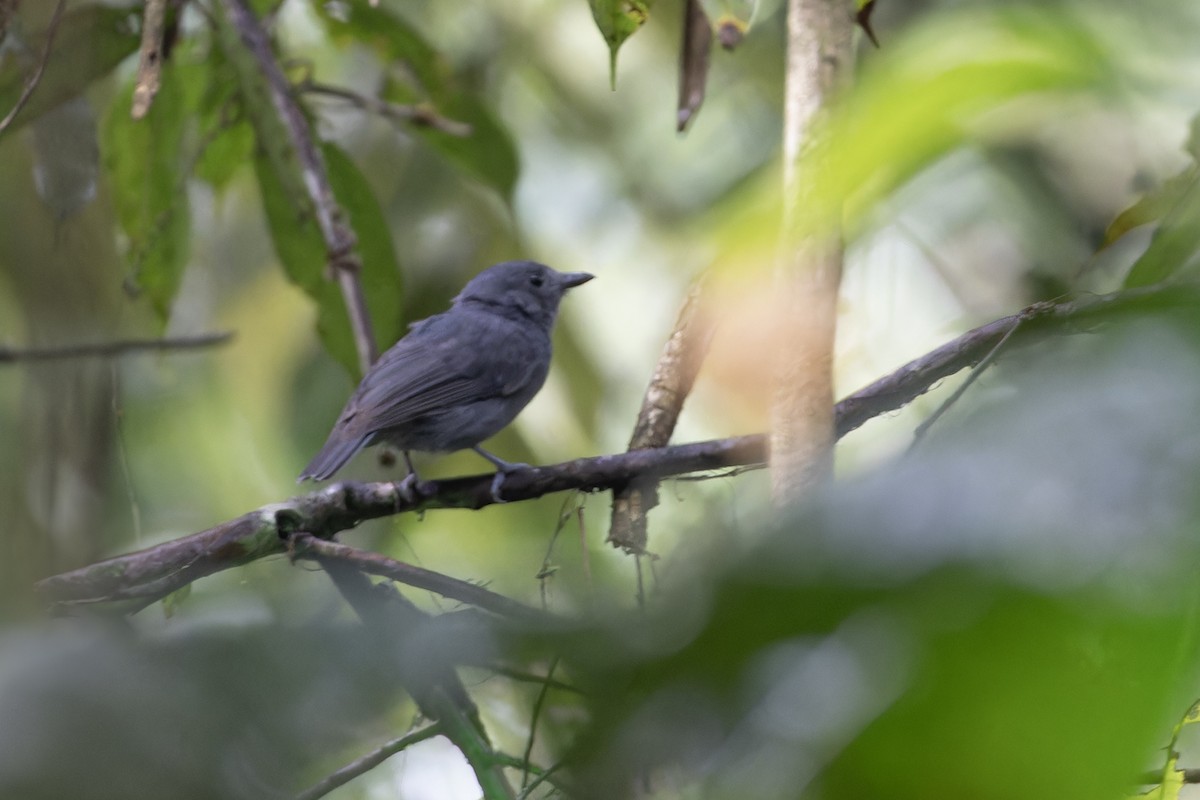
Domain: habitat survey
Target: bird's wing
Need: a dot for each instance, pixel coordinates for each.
(449, 360)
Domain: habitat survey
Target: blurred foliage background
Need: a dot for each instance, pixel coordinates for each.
(1007, 610)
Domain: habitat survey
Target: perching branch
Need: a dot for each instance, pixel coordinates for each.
(119, 347)
(38, 71)
(156, 571)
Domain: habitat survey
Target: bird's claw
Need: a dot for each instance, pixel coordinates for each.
(501, 474)
(407, 489)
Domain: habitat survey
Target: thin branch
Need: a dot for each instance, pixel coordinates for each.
(150, 57)
(543, 776)
(956, 395)
(36, 77)
(339, 241)
(530, 677)
(119, 347)
(307, 546)
(535, 715)
(420, 115)
(155, 571)
(367, 763)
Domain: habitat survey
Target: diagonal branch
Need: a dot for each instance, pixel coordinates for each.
(672, 381)
(368, 762)
(38, 71)
(305, 545)
(339, 240)
(156, 571)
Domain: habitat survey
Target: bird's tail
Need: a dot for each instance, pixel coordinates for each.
(333, 455)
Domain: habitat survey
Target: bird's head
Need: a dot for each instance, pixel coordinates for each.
(521, 288)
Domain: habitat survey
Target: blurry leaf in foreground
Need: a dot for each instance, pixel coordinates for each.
(195, 714)
(937, 87)
(1153, 206)
(1007, 612)
(1173, 248)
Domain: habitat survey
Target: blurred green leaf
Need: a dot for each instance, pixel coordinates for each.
(617, 20)
(230, 148)
(90, 42)
(1176, 207)
(301, 251)
(225, 135)
(928, 93)
(1152, 206)
(381, 273)
(994, 616)
(145, 160)
(488, 153)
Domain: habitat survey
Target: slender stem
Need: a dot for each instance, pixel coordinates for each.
(115, 348)
(367, 762)
(38, 71)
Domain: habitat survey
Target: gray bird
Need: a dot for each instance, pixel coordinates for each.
(459, 377)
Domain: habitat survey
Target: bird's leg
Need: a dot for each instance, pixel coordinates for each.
(407, 488)
(502, 469)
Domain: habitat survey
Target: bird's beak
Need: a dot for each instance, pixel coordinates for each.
(570, 280)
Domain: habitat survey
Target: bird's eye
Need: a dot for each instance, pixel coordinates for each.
(536, 280)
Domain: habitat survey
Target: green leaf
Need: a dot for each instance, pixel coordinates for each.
(941, 87)
(617, 21)
(145, 161)
(90, 42)
(1176, 204)
(488, 153)
(226, 138)
(230, 147)
(381, 274)
(301, 251)
(1151, 207)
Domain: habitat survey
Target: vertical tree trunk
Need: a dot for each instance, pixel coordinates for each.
(819, 53)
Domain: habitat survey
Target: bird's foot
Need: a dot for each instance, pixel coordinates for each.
(502, 473)
(407, 490)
